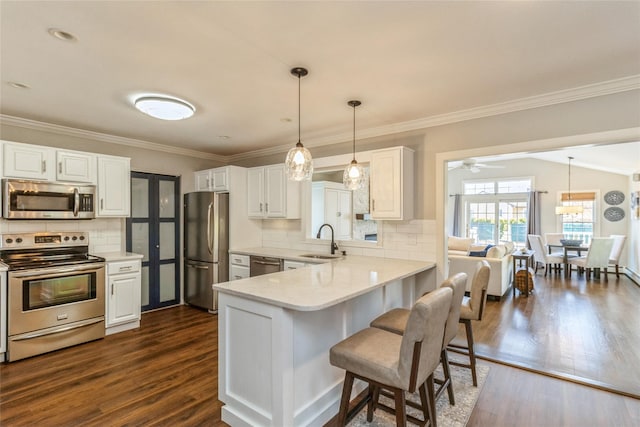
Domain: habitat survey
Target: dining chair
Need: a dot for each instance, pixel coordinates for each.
(616, 251)
(541, 256)
(553, 238)
(596, 258)
(395, 362)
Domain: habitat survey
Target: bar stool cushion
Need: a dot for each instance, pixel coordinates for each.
(372, 353)
(392, 321)
(471, 308)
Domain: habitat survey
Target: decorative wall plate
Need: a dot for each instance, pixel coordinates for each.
(614, 197)
(613, 214)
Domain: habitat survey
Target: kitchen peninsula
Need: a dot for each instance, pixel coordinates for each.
(275, 332)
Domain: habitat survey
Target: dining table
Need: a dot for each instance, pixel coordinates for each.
(568, 252)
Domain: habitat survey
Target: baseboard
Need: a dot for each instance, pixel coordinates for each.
(635, 277)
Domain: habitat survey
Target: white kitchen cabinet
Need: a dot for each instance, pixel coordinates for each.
(213, 179)
(29, 161)
(114, 186)
(334, 206)
(292, 265)
(3, 315)
(271, 195)
(75, 166)
(391, 184)
(238, 266)
(123, 295)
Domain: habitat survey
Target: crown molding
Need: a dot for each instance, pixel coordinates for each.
(104, 137)
(566, 95)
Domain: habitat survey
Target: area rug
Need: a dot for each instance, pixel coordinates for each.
(448, 416)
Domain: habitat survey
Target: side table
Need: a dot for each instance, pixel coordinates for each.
(518, 258)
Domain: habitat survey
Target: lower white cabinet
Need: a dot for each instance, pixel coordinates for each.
(238, 267)
(292, 265)
(123, 295)
(3, 315)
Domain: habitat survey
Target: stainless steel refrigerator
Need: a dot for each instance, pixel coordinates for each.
(206, 246)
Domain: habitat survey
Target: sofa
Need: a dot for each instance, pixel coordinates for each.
(464, 255)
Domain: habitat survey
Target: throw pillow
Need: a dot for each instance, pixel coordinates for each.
(479, 250)
(459, 243)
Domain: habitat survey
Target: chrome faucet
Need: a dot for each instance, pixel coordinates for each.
(334, 247)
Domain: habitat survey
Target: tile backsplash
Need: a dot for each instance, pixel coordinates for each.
(413, 239)
(105, 234)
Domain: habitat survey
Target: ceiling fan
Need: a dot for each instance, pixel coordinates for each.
(471, 165)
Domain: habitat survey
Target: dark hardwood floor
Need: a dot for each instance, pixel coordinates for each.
(165, 374)
(581, 330)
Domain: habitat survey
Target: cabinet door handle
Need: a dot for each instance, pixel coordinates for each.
(101, 203)
(112, 289)
(373, 204)
(44, 166)
(266, 207)
(126, 268)
(260, 207)
(237, 277)
(60, 167)
(207, 181)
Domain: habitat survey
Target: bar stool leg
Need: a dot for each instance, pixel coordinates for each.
(344, 402)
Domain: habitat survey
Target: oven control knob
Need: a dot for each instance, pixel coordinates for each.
(9, 241)
(19, 240)
(66, 238)
(81, 237)
(74, 238)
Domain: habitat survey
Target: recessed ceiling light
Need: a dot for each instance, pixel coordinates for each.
(165, 108)
(224, 137)
(18, 85)
(62, 35)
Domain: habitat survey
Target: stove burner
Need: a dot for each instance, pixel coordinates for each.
(41, 250)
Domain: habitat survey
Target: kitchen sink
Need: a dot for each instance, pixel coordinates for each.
(320, 256)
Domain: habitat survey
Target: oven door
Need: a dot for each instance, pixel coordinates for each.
(55, 297)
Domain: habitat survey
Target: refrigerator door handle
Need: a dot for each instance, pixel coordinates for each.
(209, 236)
(216, 227)
(201, 267)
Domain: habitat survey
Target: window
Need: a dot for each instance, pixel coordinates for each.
(579, 226)
(496, 211)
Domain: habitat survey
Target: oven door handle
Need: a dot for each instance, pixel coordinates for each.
(76, 201)
(62, 328)
(55, 270)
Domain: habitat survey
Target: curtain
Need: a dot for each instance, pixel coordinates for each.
(533, 218)
(457, 201)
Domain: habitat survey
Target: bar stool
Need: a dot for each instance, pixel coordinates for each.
(396, 321)
(396, 363)
(472, 309)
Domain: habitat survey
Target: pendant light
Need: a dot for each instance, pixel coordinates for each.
(567, 209)
(353, 177)
(299, 164)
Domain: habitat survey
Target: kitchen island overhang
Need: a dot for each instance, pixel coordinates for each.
(275, 332)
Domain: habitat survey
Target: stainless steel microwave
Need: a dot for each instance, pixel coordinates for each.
(23, 199)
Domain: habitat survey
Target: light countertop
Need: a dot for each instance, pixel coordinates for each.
(118, 256)
(319, 286)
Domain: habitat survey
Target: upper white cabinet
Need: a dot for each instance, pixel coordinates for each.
(29, 161)
(113, 186)
(271, 195)
(332, 204)
(391, 183)
(74, 166)
(213, 179)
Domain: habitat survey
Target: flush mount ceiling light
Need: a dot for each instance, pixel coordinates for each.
(353, 177)
(568, 209)
(165, 108)
(298, 163)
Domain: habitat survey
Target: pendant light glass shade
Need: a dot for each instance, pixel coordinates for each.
(298, 163)
(353, 177)
(568, 209)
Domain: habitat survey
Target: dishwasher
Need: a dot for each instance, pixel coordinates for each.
(264, 265)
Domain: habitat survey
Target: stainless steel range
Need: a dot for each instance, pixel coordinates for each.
(55, 292)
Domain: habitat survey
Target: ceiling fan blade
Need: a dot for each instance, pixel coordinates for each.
(474, 169)
(482, 165)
